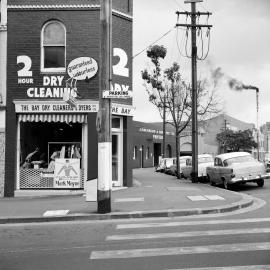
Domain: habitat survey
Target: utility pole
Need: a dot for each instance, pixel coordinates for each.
(103, 121)
(257, 107)
(164, 130)
(193, 14)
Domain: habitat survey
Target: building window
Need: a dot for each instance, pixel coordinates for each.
(147, 154)
(168, 151)
(135, 152)
(53, 47)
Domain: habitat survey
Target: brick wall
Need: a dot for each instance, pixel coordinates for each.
(120, 5)
(83, 38)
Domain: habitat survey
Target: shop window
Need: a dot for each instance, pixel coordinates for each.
(53, 47)
(51, 155)
(116, 122)
(39, 142)
(135, 152)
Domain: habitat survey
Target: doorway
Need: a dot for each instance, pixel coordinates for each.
(157, 153)
(117, 152)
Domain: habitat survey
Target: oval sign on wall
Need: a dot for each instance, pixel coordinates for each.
(82, 68)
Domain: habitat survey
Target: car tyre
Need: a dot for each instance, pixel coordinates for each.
(260, 183)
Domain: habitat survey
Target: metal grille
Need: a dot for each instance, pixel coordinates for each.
(30, 178)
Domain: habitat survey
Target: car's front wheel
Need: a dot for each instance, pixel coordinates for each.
(260, 183)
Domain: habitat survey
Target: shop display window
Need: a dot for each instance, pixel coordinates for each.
(43, 146)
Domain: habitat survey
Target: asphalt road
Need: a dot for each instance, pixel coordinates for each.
(239, 240)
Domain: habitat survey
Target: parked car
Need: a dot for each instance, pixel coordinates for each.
(267, 162)
(235, 168)
(204, 161)
(182, 163)
(164, 164)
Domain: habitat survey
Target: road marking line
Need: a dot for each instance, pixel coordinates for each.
(129, 200)
(244, 267)
(152, 252)
(214, 197)
(55, 213)
(186, 234)
(190, 223)
(197, 198)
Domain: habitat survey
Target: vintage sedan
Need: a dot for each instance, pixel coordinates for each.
(204, 161)
(164, 164)
(182, 163)
(235, 168)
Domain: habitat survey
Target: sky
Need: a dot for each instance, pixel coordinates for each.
(239, 46)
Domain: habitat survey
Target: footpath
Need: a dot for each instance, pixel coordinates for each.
(153, 195)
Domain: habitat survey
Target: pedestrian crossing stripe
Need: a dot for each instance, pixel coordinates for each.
(186, 234)
(168, 251)
(190, 223)
(242, 267)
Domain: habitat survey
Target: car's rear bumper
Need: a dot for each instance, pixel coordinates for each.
(247, 179)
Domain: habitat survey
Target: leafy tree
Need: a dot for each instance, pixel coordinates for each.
(234, 141)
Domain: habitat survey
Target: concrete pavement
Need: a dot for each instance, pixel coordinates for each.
(153, 195)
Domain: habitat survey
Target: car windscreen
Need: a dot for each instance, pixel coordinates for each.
(205, 160)
(241, 159)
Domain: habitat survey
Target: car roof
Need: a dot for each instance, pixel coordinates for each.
(185, 157)
(204, 155)
(232, 155)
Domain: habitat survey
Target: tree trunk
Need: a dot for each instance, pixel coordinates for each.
(177, 154)
(164, 133)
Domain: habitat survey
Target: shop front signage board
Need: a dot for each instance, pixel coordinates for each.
(67, 173)
(85, 106)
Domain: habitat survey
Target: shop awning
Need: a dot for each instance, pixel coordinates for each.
(68, 118)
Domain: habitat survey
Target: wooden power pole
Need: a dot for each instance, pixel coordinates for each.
(103, 122)
(193, 14)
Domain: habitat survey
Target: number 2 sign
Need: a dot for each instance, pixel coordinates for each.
(119, 69)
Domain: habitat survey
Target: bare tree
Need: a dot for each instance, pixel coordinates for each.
(172, 96)
(178, 101)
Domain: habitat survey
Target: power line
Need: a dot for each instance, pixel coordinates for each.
(152, 43)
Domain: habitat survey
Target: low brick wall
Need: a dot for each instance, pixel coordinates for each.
(2, 163)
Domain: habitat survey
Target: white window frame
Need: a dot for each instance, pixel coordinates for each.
(119, 133)
(52, 70)
(135, 152)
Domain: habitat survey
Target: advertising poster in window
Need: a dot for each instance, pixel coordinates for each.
(67, 173)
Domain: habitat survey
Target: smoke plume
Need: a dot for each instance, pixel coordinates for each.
(234, 84)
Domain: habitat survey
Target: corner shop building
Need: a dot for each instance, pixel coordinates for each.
(44, 38)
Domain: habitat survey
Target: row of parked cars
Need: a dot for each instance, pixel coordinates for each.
(223, 170)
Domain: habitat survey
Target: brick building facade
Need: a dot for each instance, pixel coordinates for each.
(49, 42)
(3, 61)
